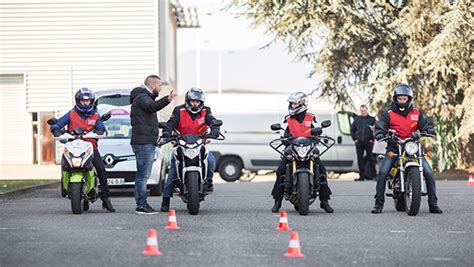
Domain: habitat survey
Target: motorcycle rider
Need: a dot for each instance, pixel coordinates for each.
(406, 121)
(300, 123)
(190, 118)
(84, 114)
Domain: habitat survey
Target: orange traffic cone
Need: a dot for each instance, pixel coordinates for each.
(294, 250)
(470, 182)
(283, 224)
(151, 248)
(172, 225)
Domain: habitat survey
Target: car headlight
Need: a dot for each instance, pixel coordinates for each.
(76, 162)
(411, 148)
(182, 142)
(302, 151)
(191, 152)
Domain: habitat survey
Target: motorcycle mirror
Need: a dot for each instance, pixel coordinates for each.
(326, 123)
(106, 116)
(217, 122)
(79, 131)
(52, 121)
(276, 127)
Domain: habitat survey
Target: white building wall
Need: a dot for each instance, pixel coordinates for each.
(67, 44)
(63, 45)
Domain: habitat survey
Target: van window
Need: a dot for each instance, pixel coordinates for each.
(118, 128)
(114, 100)
(345, 120)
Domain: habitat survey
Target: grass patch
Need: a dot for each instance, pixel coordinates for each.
(10, 185)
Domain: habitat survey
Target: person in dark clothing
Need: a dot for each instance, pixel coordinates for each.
(406, 121)
(144, 137)
(362, 134)
(190, 118)
(300, 123)
(85, 115)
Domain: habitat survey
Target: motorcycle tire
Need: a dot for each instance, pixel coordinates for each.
(412, 193)
(76, 199)
(192, 186)
(303, 193)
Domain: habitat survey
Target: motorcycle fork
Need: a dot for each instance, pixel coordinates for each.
(420, 168)
(402, 169)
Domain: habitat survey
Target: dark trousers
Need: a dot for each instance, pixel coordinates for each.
(366, 146)
(102, 174)
(382, 179)
(278, 187)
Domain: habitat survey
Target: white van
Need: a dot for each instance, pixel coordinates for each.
(247, 130)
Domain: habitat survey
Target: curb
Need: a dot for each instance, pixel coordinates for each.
(21, 191)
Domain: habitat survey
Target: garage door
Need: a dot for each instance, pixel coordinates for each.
(15, 122)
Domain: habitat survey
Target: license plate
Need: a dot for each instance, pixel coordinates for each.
(115, 181)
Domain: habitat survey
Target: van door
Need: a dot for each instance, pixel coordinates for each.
(345, 147)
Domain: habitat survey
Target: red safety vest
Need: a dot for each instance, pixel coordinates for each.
(301, 129)
(187, 125)
(404, 126)
(76, 121)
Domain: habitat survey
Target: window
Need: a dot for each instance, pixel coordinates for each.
(118, 128)
(345, 120)
(114, 100)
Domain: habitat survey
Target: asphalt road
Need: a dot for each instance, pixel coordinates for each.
(236, 228)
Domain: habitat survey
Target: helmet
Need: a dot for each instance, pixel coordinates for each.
(402, 90)
(85, 94)
(301, 99)
(194, 94)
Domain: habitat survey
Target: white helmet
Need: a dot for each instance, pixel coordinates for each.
(299, 98)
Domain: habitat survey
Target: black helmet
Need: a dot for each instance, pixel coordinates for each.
(402, 90)
(194, 94)
(299, 98)
(85, 94)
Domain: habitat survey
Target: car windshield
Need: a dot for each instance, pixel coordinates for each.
(118, 128)
(114, 100)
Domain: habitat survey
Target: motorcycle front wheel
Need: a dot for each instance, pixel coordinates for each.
(75, 193)
(412, 191)
(303, 193)
(192, 186)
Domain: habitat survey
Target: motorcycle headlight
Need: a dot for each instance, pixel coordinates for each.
(76, 162)
(302, 151)
(191, 152)
(411, 148)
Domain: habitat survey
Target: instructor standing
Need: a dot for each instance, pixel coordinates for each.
(362, 134)
(144, 138)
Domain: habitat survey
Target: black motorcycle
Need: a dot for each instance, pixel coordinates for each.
(191, 165)
(301, 187)
(406, 179)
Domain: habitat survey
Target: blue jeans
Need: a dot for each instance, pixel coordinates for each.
(145, 155)
(382, 179)
(172, 175)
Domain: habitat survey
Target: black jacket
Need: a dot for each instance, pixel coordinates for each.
(143, 116)
(361, 128)
(174, 119)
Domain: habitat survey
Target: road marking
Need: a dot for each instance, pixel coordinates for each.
(399, 231)
(256, 255)
(119, 228)
(456, 232)
(194, 254)
(442, 259)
